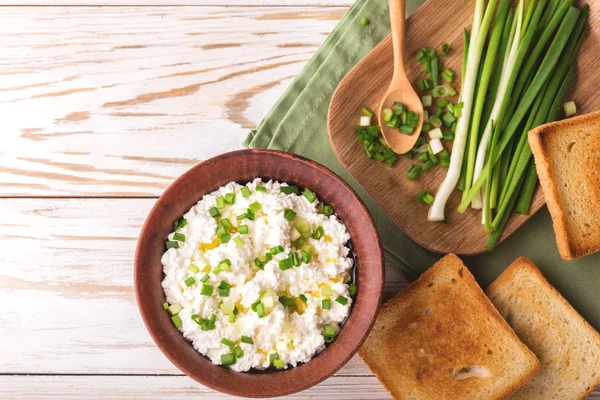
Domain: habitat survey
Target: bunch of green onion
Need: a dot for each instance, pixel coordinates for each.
(519, 67)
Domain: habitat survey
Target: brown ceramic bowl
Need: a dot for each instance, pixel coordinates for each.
(243, 166)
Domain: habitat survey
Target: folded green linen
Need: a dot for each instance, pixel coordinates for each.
(298, 123)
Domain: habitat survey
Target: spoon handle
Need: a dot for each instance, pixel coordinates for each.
(397, 17)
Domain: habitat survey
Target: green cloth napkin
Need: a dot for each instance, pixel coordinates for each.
(298, 123)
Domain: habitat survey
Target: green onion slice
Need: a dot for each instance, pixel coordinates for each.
(230, 198)
(189, 281)
(289, 214)
(309, 194)
(246, 339)
(239, 353)
(207, 290)
(176, 321)
(228, 359)
(228, 343)
(276, 250)
(254, 207)
(285, 264)
(171, 244)
(239, 242)
(289, 189)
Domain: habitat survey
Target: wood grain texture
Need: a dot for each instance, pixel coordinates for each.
(278, 3)
(67, 286)
(163, 387)
(463, 234)
(119, 101)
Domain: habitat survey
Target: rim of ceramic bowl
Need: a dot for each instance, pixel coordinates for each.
(148, 268)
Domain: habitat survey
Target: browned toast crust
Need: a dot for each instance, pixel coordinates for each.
(438, 325)
(503, 285)
(539, 140)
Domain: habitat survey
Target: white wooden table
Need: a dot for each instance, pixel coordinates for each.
(101, 108)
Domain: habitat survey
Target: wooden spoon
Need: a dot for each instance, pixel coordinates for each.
(400, 89)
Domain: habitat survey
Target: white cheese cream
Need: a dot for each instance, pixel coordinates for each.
(283, 308)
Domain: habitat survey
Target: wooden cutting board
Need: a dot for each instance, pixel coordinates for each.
(436, 22)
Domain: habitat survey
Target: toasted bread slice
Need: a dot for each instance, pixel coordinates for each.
(441, 338)
(567, 157)
(566, 345)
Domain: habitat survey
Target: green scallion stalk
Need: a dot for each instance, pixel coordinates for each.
(549, 12)
(526, 193)
(543, 73)
(503, 49)
(466, 44)
(480, 28)
(434, 71)
(501, 99)
(528, 16)
(558, 88)
(482, 88)
(496, 233)
(551, 92)
(529, 69)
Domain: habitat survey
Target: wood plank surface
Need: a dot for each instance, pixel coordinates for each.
(278, 3)
(118, 101)
(162, 387)
(66, 283)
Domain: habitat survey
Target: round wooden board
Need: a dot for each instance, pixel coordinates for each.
(365, 85)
